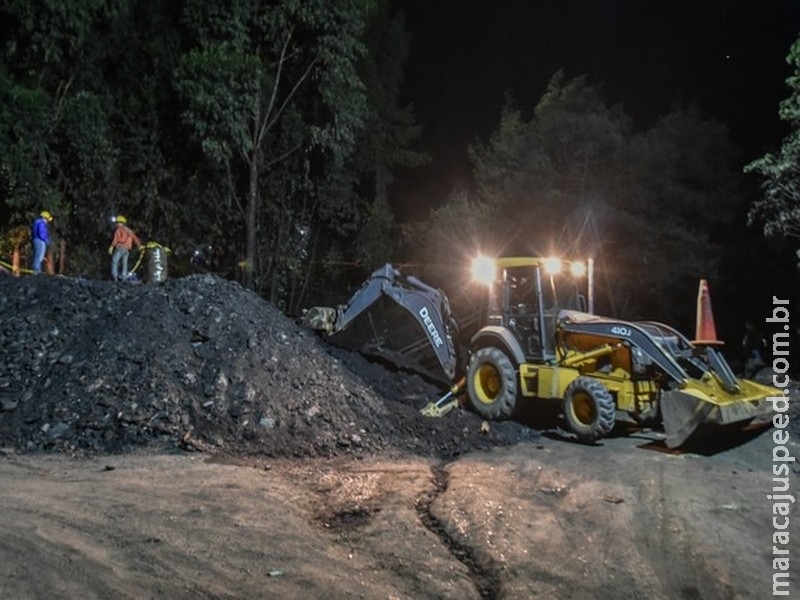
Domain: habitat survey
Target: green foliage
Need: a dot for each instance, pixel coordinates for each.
(565, 157)
(779, 209)
(25, 156)
(219, 88)
(500, 166)
(389, 129)
(233, 124)
(56, 33)
(385, 142)
(374, 244)
(273, 129)
(270, 92)
(576, 180)
(72, 153)
(682, 194)
(88, 146)
(456, 231)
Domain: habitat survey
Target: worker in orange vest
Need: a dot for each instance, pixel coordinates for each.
(120, 248)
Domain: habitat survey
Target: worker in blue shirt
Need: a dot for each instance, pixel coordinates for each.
(40, 239)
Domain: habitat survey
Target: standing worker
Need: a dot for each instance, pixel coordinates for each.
(40, 239)
(120, 248)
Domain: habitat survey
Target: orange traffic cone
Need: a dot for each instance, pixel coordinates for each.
(705, 332)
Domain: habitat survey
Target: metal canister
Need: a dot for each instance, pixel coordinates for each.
(156, 263)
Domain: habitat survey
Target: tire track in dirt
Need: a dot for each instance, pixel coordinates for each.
(484, 573)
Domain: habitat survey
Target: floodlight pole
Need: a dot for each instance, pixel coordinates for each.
(590, 283)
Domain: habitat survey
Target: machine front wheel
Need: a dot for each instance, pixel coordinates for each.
(492, 384)
(589, 409)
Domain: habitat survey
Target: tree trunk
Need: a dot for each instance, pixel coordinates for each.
(276, 264)
(312, 259)
(252, 205)
(382, 180)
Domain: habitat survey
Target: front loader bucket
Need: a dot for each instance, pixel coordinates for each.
(683, 412)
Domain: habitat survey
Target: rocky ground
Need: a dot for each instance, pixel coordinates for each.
(187, 440)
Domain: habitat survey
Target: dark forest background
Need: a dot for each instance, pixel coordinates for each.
(273, 131)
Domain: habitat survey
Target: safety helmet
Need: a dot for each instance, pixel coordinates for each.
(45, 214)
(121, 219)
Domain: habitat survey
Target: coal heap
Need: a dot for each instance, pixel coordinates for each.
(202, 364)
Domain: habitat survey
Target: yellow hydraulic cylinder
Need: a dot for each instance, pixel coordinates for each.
(577, 359)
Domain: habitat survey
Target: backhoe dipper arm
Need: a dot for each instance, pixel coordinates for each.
(378, 284)
(429, 307)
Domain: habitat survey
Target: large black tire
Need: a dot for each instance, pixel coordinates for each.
(589, 409)
(492, 384)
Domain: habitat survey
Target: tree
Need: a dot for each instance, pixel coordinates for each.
(272, 95)
(565, 158)
(233, 125)
(779, 209)
(354, 234)
(79, 125)
(684, 192)
(575, 179)
(385, 142)
(43, 64)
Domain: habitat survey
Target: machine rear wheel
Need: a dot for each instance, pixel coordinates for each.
(492, 384)
(589, 409)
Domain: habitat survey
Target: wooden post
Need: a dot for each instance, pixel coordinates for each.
(48, 262)
(15, 257)
(62, 257)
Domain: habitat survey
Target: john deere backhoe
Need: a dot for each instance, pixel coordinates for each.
(539, 341)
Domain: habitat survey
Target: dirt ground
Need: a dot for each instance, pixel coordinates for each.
(545, 519)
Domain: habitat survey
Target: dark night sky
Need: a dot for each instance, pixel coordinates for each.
(729, 55)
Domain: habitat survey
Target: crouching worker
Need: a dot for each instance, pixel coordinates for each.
(120, 248)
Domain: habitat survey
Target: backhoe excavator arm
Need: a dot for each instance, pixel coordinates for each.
(370, 323)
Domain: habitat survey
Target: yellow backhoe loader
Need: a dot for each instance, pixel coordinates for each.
(540, 340)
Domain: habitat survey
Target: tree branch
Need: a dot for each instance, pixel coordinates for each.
(284, 155)
(271, 115)
(261, 129)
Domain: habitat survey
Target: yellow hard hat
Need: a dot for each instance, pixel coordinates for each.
(121, 219)
(45, 214)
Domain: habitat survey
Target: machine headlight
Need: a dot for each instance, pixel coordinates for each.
(483, 269)
(578, 269)
(552, 265)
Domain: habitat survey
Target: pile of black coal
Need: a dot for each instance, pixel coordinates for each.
(201, 363)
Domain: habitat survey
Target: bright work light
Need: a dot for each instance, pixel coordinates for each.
(483, 269)
(552, 265)
(578, 269)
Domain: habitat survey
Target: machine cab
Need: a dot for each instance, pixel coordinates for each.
(525, 295)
